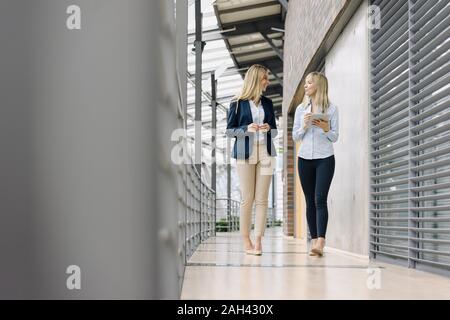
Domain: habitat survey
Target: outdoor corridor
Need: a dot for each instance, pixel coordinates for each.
(219, 269)
(124, 124)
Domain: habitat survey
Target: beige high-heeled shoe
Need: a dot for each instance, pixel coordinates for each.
(318, 249)
(313, 245)
(312, 253)
(317, 252)
(252, 246)
(254, 252)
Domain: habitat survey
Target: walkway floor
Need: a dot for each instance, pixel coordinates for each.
(219, 269)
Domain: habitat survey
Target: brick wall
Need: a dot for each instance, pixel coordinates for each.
(288, 179)
(307, 24)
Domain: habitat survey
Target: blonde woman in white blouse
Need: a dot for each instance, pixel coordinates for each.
(316, 160)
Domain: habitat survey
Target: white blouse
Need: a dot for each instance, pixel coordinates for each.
(316, 144)
(258, 118)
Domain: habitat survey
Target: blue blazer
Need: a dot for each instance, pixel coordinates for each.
(237, 127)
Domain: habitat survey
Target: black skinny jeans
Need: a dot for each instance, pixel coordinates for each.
(315, 178)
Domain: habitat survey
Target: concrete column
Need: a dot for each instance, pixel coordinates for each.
(86, 121)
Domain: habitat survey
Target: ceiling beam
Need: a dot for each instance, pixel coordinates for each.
(261, 24)
(211, 35)
(273, 63)
(250, 43)
(284, 3)
(280, 81)
(273, 46)
(253, 52)
(250, 7)
(232, 70)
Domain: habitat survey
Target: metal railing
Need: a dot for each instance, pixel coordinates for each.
(271, 218)
(200, 214)
(228, 215)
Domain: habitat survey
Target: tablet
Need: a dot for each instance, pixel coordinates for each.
(320, 116)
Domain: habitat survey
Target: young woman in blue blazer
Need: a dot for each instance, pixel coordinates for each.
(251, 121)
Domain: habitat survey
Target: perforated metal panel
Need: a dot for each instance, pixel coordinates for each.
(410, 134)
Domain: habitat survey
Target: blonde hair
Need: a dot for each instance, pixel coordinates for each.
(321, 97)
(252, 88)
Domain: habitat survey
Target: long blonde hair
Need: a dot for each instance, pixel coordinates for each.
(321, 97)
(252, 89)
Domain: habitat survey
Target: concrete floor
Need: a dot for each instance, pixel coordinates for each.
(219, 269)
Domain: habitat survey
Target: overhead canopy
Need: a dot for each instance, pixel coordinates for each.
(253, 31)
(237, 34)
(215, 59)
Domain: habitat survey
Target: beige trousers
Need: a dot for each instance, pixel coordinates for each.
(255, 175)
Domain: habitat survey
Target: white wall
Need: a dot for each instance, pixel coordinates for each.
(346, 67)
